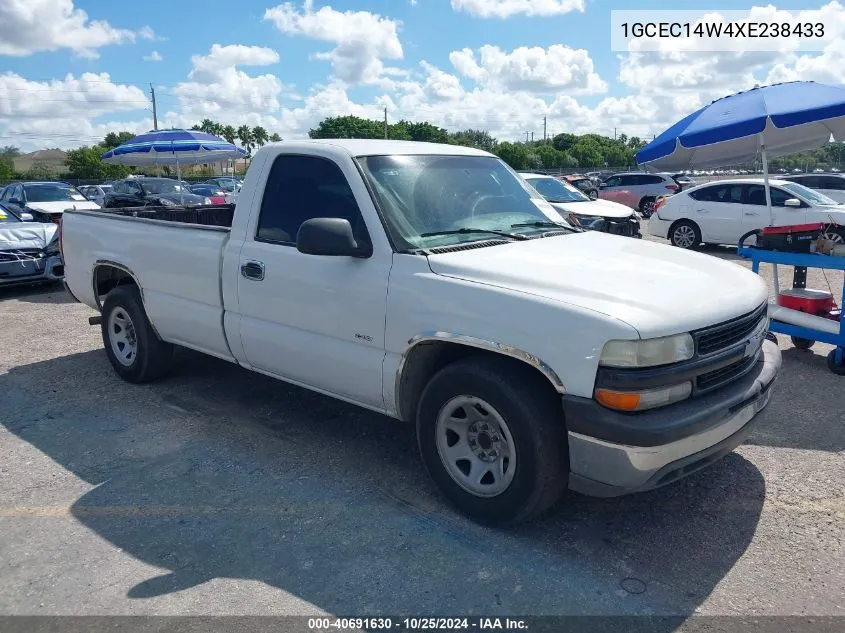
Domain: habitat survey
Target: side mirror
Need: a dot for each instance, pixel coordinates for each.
(792, 202)
(330, 236)
(27, 217)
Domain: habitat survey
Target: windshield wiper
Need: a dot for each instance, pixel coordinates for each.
(546, 223)
(466, 230)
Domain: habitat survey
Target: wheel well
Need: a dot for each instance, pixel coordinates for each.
(425, 359)
(679, 221)
(108, 277)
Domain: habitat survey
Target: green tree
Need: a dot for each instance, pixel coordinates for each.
(7, 169)
(229, 133)
(113, 139)
(480, 139)
(85, 163)
(563, 142)
(514, 154)
(10, 151)
(588, 153)
(425, 131)
(206, 125)
(275, 138)
(348, 127)
(245, 137)
(260, 136)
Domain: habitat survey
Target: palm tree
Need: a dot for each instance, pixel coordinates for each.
(245, 137)
(229, 133)
(275, 138)
(216, 129)
(206, 125)
(259, 135)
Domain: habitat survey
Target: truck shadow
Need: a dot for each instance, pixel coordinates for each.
(221, 473)
(37, 293)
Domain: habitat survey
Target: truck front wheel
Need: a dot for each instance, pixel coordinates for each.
(492, 437)
(134, 350)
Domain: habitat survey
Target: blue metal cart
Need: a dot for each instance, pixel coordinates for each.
(828, 331)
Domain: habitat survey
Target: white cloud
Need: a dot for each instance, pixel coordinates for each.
(363, 39)
(532, 69)
(147, 33)
(87, 96)
(507, 8)
(29, 26)
(153, 57)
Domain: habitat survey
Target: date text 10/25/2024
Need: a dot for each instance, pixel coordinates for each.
(417, 624)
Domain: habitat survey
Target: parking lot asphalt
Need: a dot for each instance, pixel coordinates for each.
(220, 491)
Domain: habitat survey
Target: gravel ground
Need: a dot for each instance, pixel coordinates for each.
(219, 491)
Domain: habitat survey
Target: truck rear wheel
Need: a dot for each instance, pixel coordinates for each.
(134, 350)
(493, 439)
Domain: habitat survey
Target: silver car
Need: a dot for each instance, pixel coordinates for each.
(29, 251)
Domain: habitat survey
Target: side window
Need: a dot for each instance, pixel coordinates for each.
(20, 194)
(651, 180)
(813, 182)
(301, 188)
(779, 196)
(720, 193)
(615, 181)
(630, 180)
(832, 182)
(4, 193)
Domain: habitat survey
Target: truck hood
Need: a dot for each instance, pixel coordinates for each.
(59, 207)
(26, 235)
(599, 208)
(655, 288)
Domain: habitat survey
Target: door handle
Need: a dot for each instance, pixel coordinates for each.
(253, 270)
(750, 213)
(702, 211)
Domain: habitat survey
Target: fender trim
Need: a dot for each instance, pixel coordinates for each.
(478, 343)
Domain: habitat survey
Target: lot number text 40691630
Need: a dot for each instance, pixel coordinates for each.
(417, 624)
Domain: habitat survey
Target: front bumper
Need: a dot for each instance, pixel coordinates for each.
(31, 270)
(612, 453)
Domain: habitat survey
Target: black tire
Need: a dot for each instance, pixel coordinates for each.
(152, 357)
(802, 343)
(593, 194)
(647, 207)
(535, 422)
(675, 240)
(837, 369)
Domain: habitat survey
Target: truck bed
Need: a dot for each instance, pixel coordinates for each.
(175, 255)
(207, 215)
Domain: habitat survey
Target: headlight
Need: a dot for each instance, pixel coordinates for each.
(587, 221)
(642, 400)
(166, 203)
(648, 352)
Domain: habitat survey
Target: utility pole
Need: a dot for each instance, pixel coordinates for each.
(544, 129)
(614, 134)
(526, 137)
(155, 115)
(385, 122)
(532, 137)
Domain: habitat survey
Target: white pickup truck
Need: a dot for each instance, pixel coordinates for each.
(432, 284)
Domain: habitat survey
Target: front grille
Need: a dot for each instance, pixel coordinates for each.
(19, 254)
(718, 377)
(724, 335)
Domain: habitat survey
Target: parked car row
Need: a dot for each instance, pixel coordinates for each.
(721, 212)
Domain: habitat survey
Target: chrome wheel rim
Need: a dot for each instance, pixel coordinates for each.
(124, 342)
(684, 236)
(593, 195)
(835, 237)
(476, 446)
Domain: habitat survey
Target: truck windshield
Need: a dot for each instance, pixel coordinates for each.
(432, 194)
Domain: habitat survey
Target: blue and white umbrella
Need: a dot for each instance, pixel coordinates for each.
(173, 147)
(773, 120)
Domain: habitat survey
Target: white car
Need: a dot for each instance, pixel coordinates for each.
(95, 193)
(722, 212)
(578, 209)
(831, 185)
(46, 201)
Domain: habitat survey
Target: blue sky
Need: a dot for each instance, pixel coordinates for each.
(72, 69)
